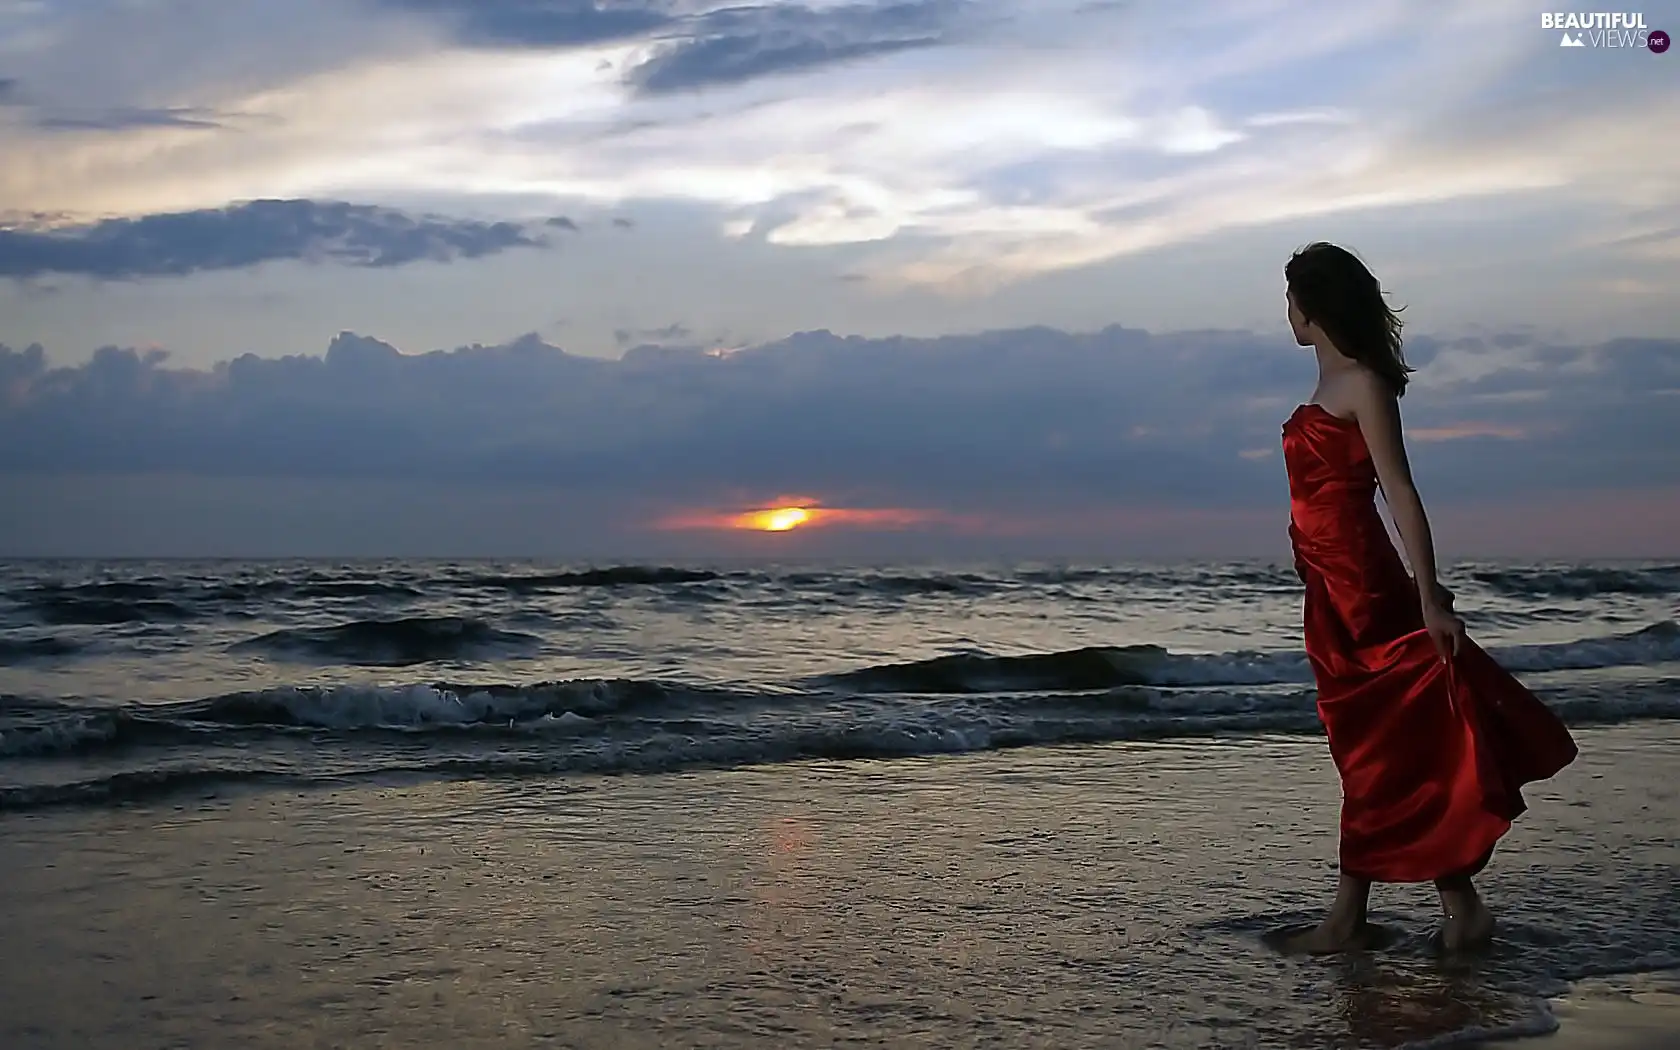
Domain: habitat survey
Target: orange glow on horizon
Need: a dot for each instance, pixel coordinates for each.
(776, 519)
(789, 514)
(1643, 524)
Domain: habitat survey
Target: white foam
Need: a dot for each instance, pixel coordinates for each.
(419, 706)
(55, 737)
(1542, 1022)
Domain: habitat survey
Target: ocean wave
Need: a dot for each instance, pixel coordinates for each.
(1173, 691)
(42, 729)
(138, 785)
(68, 607)
(1100, 667)
(190, 597)
(575, 750)
(615, 576)
(1094, 667)
(697, 721)
(88, 732)
(442, 705)
(328, 735)
(394, 642)
(894, 584)
(19, 650)
(1657, 643)
(195, 595)
(1580, 581)
(189, 594)
(105, 590)
(267, 590)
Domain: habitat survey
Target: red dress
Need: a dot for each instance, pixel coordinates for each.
(1432, 755)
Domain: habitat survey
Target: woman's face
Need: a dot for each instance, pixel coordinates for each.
(1298, 323)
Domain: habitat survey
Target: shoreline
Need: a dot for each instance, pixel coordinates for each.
(1638, 1011)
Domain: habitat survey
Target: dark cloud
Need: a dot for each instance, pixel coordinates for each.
(726, 45)
(8, 90)
(737, 44)
(544, 23)
(124, 119)
(249, 234)
(1011, 419)
(658, 336)
(1037, 411)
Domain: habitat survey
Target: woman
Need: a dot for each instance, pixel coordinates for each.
(1432, 739)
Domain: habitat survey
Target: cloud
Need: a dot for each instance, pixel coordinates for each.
(87, 57)
(1460, 431)
(671, 333)
(249, 234)
(123, 119)
(737, 44)
(1038, 138)
(696, 45)
(1008, 425)
(543, 23)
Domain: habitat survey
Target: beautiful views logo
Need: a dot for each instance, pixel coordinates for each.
(1605, 29)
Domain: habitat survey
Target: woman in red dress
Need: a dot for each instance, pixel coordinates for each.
(1433, 740)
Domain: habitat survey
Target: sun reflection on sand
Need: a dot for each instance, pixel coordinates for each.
(783, 890)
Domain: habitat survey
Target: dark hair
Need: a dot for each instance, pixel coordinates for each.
(1335, 291)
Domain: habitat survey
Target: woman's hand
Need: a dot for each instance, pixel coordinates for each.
(1445, 629)
(1443, 597)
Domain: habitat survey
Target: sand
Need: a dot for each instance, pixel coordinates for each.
(1107, 896)
(1639, 1012)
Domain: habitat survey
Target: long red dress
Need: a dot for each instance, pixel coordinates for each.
(1432, 755)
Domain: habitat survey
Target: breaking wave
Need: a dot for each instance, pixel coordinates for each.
(394, 642)
(1580, 581)
(617, 576)
(18, 650)
(1110, 667)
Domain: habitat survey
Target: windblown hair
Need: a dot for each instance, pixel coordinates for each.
(1335, 291)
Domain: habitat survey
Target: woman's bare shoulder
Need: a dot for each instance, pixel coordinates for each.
(1354, 392)
(1368, 394)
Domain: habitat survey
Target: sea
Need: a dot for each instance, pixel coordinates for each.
(120, 679)
(137, 682)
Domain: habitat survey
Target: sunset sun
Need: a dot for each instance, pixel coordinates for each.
(789, 513)
(776, 519)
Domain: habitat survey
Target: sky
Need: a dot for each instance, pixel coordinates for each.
(962, 277)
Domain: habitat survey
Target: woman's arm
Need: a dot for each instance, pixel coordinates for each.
(1378, 415)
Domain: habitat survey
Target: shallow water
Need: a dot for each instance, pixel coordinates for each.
(1109, 895)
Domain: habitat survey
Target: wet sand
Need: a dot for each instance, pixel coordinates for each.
(1107, 896)
(1639, 1012)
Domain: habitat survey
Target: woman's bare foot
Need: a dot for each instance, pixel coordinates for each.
(1343, 930)
(1469, 924)
(1331, 937)
(1468, 930)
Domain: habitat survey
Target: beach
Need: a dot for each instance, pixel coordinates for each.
(468, 804)
(1629, 1013)
(1106, 895)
